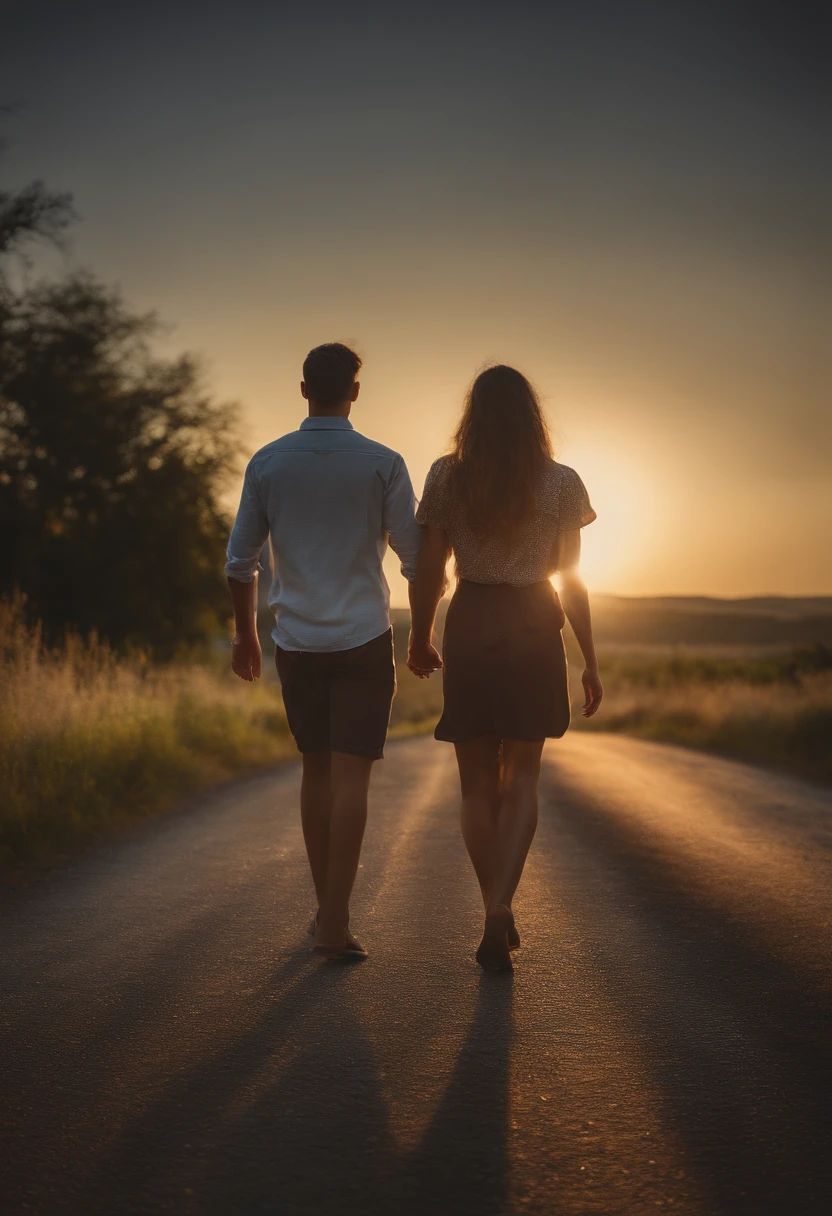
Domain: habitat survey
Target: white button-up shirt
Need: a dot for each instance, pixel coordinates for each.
(330, 499)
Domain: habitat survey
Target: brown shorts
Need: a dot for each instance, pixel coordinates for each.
(505, 664)
(340, 701)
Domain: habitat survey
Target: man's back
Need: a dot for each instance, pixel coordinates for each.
(329, 497)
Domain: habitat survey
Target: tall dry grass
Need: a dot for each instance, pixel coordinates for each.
(89, 738)
(773, 709)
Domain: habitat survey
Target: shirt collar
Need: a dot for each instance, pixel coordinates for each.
(323, 423)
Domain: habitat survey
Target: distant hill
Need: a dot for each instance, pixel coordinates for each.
(694, 621)
(786, 607)
(704, 620)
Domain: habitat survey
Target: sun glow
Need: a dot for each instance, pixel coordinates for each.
(613, 546)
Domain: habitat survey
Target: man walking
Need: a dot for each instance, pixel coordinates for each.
(330, 499)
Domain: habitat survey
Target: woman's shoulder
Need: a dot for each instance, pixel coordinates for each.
(438, 472)
(560, 472)
(566, 495)
(434, 505)
(561, 487)
(557, 478)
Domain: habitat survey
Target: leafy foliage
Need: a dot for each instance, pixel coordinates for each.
(33, 213)
(111, 460)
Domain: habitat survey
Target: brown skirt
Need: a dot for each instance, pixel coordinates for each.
(505, 664)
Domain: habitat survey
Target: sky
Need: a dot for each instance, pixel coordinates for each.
(628, 201)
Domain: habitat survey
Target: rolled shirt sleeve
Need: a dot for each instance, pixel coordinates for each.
(400, 523)
(249, 534)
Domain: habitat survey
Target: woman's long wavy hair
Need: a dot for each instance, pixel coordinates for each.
(501, 448)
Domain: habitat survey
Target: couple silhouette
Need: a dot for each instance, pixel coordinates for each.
(330, 500)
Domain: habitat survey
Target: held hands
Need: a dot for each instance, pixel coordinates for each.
(246, 656)
(422, 659)
(593, 691)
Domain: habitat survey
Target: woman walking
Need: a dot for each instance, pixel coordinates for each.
(512, 517)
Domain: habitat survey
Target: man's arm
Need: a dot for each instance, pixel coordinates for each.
(400, 519)
(246, 654)
(248, 536)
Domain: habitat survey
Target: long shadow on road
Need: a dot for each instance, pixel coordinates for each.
(461, 1164)
(738, 1039)
(290, 1117)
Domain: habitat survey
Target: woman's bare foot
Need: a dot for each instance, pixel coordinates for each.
(493, 952)
(513, 934)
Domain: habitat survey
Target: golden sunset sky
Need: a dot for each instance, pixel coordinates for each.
(629, 202)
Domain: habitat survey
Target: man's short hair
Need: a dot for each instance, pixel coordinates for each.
(329, 373)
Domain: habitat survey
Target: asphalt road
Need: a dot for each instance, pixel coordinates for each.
(170, 1044)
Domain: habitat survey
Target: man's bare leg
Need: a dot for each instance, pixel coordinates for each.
(315, 811)
(350, 783)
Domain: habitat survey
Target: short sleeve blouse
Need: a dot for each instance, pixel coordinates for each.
(562, 506)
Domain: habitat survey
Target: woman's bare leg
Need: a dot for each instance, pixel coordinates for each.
(479, 776)
(517, 822)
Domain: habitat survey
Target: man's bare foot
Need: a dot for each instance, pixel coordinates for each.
(353, 952)
(336, 940)
(349, 949)
(352, 940)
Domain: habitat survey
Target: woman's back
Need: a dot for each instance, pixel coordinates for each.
(530, 553)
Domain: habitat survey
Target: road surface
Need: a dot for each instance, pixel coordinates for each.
(170, 1045)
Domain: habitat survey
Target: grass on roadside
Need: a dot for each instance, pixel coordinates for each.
(89, 739)
(773, 709)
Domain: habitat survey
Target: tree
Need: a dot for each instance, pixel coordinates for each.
(34, 213)
(30, 214)
(111, 464)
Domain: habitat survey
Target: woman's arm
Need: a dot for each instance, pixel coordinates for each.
(575, 600)
(425, 594)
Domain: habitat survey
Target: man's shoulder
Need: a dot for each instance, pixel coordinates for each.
(355, 441)
(282, 443)
(301, 440)
(375, 448)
